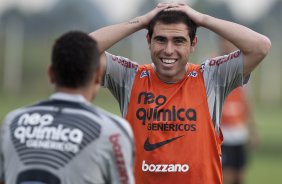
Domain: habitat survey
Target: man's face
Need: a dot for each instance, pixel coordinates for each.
(170, 48)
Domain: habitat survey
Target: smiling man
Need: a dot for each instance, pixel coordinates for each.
(174, 106)
(171, 38)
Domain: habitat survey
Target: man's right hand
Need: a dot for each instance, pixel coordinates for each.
(146, 19)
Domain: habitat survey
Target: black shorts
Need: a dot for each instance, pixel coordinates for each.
(234, 157)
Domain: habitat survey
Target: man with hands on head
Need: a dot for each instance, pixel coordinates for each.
(174, 106)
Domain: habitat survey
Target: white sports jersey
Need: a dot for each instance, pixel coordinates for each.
(64, 140)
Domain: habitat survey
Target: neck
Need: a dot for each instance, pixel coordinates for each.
(171, 81)
(76, 91)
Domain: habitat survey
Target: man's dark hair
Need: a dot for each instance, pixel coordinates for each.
(172, 17)
(75, 58)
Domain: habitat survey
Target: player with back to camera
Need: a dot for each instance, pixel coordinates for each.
(64, 139)
(174, 106)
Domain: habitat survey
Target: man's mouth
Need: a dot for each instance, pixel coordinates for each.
(168, 61)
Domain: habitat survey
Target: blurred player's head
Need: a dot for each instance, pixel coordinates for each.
(75, 60)
(173, 17)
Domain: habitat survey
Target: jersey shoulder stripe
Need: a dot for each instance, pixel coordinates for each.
(68, 104)
(121, 123)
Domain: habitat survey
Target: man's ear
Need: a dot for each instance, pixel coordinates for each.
(194, 43)
(103, 65)
(148, 40)
(98, 76)
(51, 74)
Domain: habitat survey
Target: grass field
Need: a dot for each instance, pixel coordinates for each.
(265, 164)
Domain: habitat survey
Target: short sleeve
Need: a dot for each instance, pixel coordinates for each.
(222, 74)
(119, 78)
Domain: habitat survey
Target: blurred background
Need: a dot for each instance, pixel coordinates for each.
(28, 29)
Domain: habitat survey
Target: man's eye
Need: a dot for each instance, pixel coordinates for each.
(160, 40)
(178, 41)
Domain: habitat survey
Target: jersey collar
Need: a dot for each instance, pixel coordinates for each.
(69, 97)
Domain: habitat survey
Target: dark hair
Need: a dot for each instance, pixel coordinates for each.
(75, 58)
(171, 17)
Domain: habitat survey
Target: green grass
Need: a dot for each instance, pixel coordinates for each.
(265, 164)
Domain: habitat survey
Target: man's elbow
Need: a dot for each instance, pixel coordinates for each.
(256, 55)
(264, 46)
(95, 37)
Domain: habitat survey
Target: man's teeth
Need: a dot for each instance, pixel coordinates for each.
(169, 61)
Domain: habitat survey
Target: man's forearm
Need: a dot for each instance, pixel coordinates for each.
(253, 45)
(242, 37)
(108, 36)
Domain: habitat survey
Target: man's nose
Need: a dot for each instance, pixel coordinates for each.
(169, 48)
